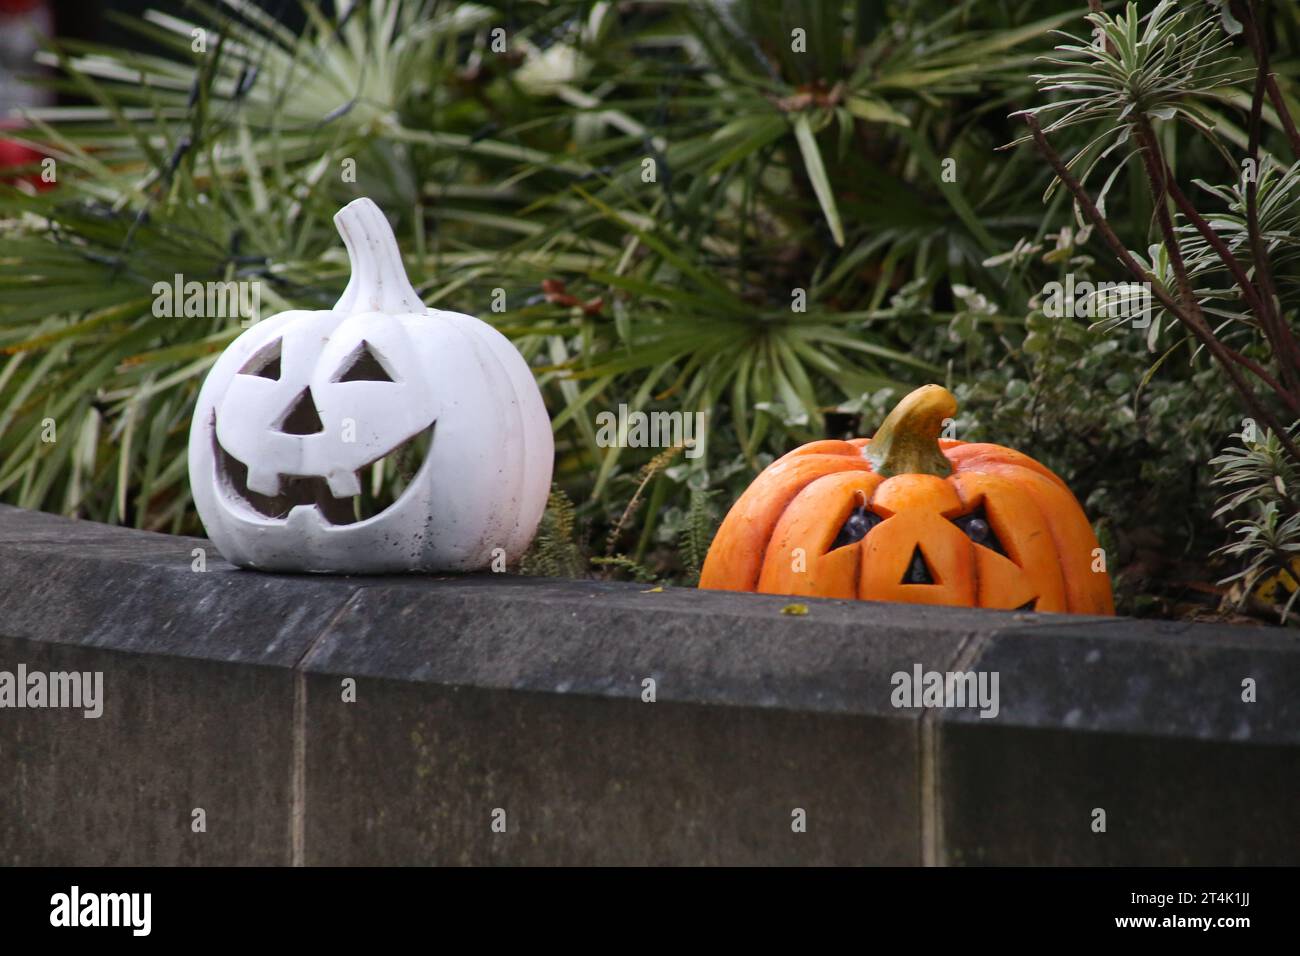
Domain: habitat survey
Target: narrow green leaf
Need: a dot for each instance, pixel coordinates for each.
(812, 159)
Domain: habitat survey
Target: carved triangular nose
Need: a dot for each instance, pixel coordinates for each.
(301, 417)
(918, 569)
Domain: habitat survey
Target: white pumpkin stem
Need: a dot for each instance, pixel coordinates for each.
(378, 282)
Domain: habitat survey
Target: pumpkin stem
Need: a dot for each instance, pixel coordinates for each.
(378, 282)
(907, 442)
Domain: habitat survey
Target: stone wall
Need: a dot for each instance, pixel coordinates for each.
(492, 702)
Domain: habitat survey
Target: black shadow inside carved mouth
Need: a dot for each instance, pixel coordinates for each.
(296, 490)
(1030, 605)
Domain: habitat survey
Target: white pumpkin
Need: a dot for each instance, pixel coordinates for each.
(295, 411)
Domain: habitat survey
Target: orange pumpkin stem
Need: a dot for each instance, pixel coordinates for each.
(907, 442)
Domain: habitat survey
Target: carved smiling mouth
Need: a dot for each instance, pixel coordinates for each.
(405, 462)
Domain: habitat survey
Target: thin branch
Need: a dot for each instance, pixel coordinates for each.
(1245, 13)
(1279, 335)
(1195, 325)
(1263, 270)
(1248, 290)
(1161, 179)
(1283, 114)
(1156, 169)
(1264, 376)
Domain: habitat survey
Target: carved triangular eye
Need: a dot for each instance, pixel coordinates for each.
(979, 529)
(265, 362)
(301, 418)
(918, 569)
(363, 365)
(855, 527)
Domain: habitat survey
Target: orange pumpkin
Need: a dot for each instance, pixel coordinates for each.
(908, 516)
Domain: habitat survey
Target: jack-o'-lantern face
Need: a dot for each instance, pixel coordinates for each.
(314, 408)
(300, 419)
(908, 517)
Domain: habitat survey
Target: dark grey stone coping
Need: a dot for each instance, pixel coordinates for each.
(494, 691)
